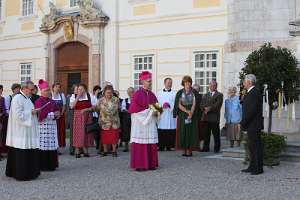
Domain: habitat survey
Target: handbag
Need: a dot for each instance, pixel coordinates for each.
(92, 128)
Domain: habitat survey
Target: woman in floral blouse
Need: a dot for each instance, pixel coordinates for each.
(108, 109)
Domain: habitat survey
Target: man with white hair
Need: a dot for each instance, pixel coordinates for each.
(252, 123)
(23, 137)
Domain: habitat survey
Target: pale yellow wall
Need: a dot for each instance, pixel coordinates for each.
(144, 10)
(40, 3)
(12, 7)
(62, 3)
(27, 26)
(206, 3)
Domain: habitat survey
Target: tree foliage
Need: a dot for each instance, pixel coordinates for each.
(272, 66)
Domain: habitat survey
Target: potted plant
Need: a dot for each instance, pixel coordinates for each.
(273, 146)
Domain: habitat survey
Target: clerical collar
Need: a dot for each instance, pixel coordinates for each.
(165, 90)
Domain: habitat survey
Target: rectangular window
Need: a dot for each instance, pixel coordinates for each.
(73, 3)
(27, 8)
(25, 72)
(1, 9)
(141, 63)
(205, 64)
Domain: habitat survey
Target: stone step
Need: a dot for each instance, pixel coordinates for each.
(236, 152)
(290, 156)
(293, 147)
(291, 153)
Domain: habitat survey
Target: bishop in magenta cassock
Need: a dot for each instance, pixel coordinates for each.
(144, 137)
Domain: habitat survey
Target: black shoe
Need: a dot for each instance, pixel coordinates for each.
(184, 155)
(125, 150)
(103, 154)
(77, 156)
(217, 151)
(189, 155)
(169, 149)
(86, 155)
(205, 150)
(114, 154)
(257, 172)
(248, 170)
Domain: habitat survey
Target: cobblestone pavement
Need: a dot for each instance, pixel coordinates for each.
(200, 177)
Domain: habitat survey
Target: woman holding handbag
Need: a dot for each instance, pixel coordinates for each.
(108, 109)
(81, 140)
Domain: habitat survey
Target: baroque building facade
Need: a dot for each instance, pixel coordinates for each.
(93, 41)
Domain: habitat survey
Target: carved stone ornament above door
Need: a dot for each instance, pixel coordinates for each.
(88, 15)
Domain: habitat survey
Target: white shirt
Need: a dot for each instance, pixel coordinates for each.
(250, 88)
(94, 101)
(123, 105)
(212, 93)
(59, 96)
(7, 102)
(166, 119)
(72, 98)
(22, 130)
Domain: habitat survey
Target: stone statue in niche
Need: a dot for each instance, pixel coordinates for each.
(49, 19)
(88, 11)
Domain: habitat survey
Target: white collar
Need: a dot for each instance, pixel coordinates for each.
(250, 88)
(22, 93)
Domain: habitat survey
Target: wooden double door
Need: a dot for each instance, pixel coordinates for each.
(72, 65)
(68, 78)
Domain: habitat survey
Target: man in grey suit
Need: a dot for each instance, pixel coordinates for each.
(211, 105)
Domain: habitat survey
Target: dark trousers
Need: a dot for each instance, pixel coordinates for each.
(96, 135)
(255, 152)
(214, 128)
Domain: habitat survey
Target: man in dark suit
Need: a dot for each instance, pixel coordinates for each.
(252, 123)
(210, 106)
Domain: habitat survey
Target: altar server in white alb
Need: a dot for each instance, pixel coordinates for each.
(23, 138)
(167, 123)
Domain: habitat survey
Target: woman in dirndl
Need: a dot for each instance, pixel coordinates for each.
(81, 140)
(60, 100)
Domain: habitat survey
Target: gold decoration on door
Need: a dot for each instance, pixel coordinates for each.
(68, 31)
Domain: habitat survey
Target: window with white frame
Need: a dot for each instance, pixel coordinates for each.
(73, 3)
(27, 7)
(25, 72)
(141, 63)
(1, 5)
(205, 68)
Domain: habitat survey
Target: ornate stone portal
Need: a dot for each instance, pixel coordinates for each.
(85, 26)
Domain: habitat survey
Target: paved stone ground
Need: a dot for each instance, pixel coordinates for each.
(203, 177)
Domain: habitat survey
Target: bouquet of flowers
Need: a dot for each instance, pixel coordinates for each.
(156, 108)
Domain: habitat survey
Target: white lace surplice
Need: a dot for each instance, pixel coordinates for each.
(144, 127)
(48, 133)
